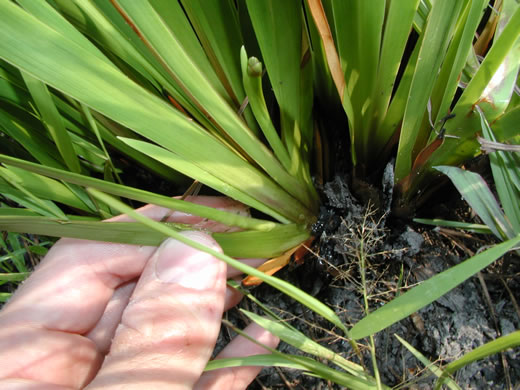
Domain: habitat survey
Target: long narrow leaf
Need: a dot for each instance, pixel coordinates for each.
(501, 344)
(428, 291)
(441, 21)
(303, 343)
(53, 121)
(478, 195)
(506, 175)
(429, 365)
(144, 196)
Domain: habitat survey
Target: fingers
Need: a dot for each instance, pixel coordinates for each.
(237, 378)
(66, 297)
(47, 356)
(77, 278)
(25, 384)
(169, 328)
(105, 328)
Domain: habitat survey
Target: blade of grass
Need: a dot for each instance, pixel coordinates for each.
(399, 20)
(511, 340)
(256, 244)
(14, 277)
(455, 61)
(352, 368)
(262, 244)
(472, 227)
(278, 29)
(103, 24)
(44, 11)
(429, 365)
(216, 25)
(505, 175)
(326, 35)
(29, 200)
(4, 297)
(499, 90)
(144, 196)
(428, 291)
(454, 152)
(30, 135)
(45, 188)
(14, 241)
(303, 343)
(234, 185)
(437, 34)
(307, 365)
(478, 195)
(93, 126)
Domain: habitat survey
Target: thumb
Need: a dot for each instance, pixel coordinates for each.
(169, 328)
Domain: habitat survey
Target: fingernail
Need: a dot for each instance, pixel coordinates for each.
(188, 267)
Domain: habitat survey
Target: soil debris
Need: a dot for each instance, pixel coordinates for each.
(398, 257)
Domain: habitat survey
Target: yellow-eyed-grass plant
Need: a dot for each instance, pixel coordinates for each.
(225, 93)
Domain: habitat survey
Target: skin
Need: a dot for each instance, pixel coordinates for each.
(111, 316)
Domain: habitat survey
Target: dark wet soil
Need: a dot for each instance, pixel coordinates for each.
(399, 256)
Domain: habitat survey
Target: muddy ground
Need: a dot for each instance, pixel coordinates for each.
(401, 255)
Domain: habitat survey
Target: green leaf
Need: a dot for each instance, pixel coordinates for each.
(129, 104)
(262, 244)
(254, 244)
(240, 181)
(428, 291)
(252, 79)
(478, 195)
(503, 343)
(30, 134)
(456, 151)
(180, 67)
(472, 227)
(303, 343)
(27, 199)
(399, 20)
(4, 297)
(456, 58)
(434, 43)
(429, 365)
(278, 29)
(226, 218)
(44, 188)
(14, 277)
(217, 27)
(506, 175)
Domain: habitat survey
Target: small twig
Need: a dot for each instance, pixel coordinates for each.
(488, 146)
(284, 379)
(513, 299)
(260, 384)
(446, 232)
(243, 106)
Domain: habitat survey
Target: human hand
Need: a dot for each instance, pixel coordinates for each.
(116, 316)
